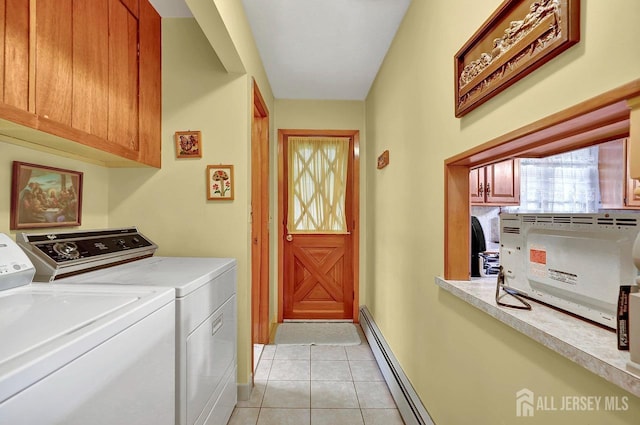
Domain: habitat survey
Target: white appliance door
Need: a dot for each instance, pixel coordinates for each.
(211, 352)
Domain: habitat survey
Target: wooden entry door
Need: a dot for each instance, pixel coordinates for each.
(318, 269)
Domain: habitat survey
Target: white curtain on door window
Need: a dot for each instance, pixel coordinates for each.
(566, 182)
(317, 184)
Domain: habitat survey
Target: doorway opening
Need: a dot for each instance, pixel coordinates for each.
(259, 224)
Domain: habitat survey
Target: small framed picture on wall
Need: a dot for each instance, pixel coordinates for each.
(188, 144)
(220, 183)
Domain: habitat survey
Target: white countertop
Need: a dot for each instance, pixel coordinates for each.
(590, 346)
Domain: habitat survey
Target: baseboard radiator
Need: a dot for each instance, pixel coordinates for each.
(411, 408)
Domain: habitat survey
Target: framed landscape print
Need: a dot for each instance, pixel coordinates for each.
(44, 196)
(220, 182)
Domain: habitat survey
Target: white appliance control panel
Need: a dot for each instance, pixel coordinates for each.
(15, 267)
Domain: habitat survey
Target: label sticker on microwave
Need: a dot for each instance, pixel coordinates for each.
(538, 256)
(564, 277)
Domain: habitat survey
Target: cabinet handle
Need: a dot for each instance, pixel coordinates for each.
(488, 189)
(480, 190)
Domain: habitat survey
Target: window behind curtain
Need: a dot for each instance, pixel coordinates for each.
(566, 182)
(317, 184)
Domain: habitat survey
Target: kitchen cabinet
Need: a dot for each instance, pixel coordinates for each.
(617, 188)
(94, 79)
(495, 184)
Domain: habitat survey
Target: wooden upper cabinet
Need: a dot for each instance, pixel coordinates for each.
(617, 188)
(632, 199)
(14, 53)
(87, 72)
(496, 184)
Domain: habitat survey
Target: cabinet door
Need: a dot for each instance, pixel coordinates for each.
(14, 53)
(631, 200)
(90, 66)
(123, 76)
(503, 183)
(150, 84)
(611, 172)
(476, 185)
(54, 60)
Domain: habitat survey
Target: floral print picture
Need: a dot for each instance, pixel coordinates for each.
(220, 182)
(188, 144)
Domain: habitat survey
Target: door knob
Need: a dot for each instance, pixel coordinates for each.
(289, 238)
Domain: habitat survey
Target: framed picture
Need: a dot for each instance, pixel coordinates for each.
(220, 183)
(44, 196)
(518, 38)
(188, 144)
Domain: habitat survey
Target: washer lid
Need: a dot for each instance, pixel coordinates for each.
(31, 319)
(42, 328)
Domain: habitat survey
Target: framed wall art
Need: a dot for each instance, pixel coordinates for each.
(518, 38)
(220, 183)
(44, 196)
(188, 144)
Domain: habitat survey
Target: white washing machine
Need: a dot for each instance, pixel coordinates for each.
(83, 355)
(206, 312)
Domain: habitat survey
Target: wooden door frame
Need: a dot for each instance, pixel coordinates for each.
(600, 119)
(259, 218)
(355, 199)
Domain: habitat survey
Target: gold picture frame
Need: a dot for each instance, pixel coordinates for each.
(44, 196)
(220, 183)
(188, 144)
(518, 38)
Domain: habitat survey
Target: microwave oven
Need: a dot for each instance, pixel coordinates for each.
(574, 262)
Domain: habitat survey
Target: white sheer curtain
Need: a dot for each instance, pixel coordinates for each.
(561, 183)
(317, 184)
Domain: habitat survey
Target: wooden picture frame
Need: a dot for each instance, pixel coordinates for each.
(518, 38)
(44, 196)
(188, 144)
(220, 183)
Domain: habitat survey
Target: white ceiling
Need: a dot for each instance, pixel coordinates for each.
(317, 49)
(171, 8)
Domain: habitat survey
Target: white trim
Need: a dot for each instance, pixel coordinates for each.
(409, 404)
(244, 391)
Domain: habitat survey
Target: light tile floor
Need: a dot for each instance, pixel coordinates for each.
(317, 385)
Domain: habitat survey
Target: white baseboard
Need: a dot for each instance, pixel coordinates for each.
(409, 404)
(244, 391)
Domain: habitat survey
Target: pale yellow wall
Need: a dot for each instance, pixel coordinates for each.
(170, 205)
(95, 185)
(317, 115)
(465, 365)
